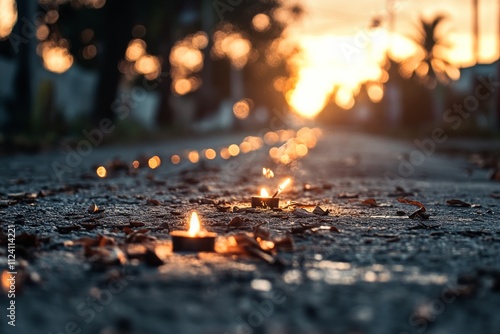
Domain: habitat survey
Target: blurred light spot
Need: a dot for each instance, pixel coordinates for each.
(232, 45)
(194, 156)
(267, 172)
(261, 22)
(274, 152)
(87, 35)
(261, 285)
(52, 16)
(285, 159)
(224, 153)
(370, 276)
(154, 162)
(55, 58)
(101, 171)
(89, 52)
(8, 17)
(271, 138)
(256, 142)
(301, 150)
(200, 40)
(241, 109)
(375, 93)
(344, 99)
(189, 58)
(234, 150)
(42, 32)
(135, 50)
(148, 65)
(136, 164)
(138, 31)
(245, 147)
(175, 159)
(293, 277)
(210, 154)
(182, 86)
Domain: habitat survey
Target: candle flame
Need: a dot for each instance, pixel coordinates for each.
(264, 193)
(267, 172)
(194, 225)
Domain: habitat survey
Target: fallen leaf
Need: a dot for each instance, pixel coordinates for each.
(237, 222)
(302, 213)
(370, 202)
(457, 202)
(419, 214)
(412, 202)
(223, 209)
(320, 212)
(152, 201)
(303, 228)
(67, 229)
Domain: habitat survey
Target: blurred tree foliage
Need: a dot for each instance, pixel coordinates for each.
(108, 26)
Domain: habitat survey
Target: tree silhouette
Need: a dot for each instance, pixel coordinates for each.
(429, 64)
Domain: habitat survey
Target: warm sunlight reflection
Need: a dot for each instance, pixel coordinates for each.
(330, 62)
(8, 17)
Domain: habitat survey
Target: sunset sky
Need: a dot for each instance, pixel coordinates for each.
(340, 49)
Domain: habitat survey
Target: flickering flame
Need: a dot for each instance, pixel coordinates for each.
(282, 186)
(194, 225)
(267, 172)
(264, 193)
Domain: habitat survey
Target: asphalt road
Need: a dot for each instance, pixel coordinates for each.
(382, 272)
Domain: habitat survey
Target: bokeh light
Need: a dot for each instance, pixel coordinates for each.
(154, 162)
(101, 171)
(175, 159)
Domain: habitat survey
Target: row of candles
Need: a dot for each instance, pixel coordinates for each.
(197, 239)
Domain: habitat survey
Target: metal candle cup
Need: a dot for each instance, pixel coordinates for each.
(193, 240)
(265, 202)
(182, 241)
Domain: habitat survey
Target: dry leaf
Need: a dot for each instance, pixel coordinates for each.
(412, 202)
(152, 201)
(237, 222)
(136, 224)
(457, 202)
(370, 202)
(302, 213)
(320, 212)
(419, 214)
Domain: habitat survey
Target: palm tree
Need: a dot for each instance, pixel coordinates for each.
(429, 64)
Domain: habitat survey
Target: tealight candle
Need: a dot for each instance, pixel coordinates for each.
(194, 239)
(266, 201)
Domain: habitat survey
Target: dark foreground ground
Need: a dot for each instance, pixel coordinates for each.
(382, 272)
